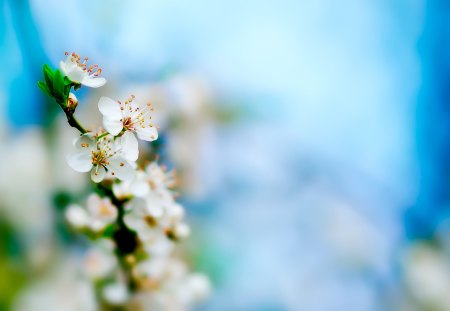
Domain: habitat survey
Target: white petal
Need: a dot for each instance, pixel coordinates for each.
(63, 67)
(93, 82)
(80, 162)
(139, 186)
(175, 211)
(121, 169)
(77, 216)
(134, 222)
(147, 133)
(116, 293)
(198, 286)
(92, 203)
(160, 245)
(84, 142)
(138, 207)
(76, 74)
(182, 230)
(99, 263)
(97, 225)
(129, 144)
(67, 65)
(98, 173)
(121, 190)
(113, 126)
(154, 207)
(103, 210)
(109, 108)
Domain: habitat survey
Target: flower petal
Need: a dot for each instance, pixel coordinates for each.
(140, 186)
(64, 67)
(98, 173)
(113, 126)
(147, 133)
(77, 216)
(80, 162)
(129, 144)
(84, 143)
(121, 169)
(109, 108)
(93, 81)
(76, 74)
(182, 230)
(134, 222)
(92, 203)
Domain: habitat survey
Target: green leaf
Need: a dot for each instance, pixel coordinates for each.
(67, 81)
(109, 231)
(59, 87)
(43, 86)
(48, 75)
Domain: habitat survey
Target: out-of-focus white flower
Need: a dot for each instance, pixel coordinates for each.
(181, 230)
(157, 244)
(154, 214)
(169, 284)
(79, 72)
(154, 183)
(62, 288)
(99, 213)
(427, 275)
(132, 117)
(197, 288)
(115, 293)
(173, 222)
(154, 268)
(158, 178)
(143, 218)
(98, 156)
(155, 301)
(100, 260)
(25, 193)
(138, 186)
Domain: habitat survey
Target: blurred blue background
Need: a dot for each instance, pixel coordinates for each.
(329, 189)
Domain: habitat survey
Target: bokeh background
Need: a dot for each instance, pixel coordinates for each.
(311, 138)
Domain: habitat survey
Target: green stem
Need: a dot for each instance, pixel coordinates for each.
(126, 240)
(73, 122)
(103, 135)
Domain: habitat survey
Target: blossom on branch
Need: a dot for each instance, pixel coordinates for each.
(99, 155)
(79, 72)
(128, 117)
(98, 214)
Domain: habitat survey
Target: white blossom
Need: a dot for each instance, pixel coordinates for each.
(100, 155)
(197, 288)
(115, 293)
(144, 218)
(138, 186)
(132, 117)
(100, 261)
(154, 180)
(98, 214)
(79, 72)
(168, 285)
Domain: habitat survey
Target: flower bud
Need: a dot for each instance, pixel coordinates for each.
(72, 102)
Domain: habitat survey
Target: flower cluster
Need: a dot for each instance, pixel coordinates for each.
(132, 217)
